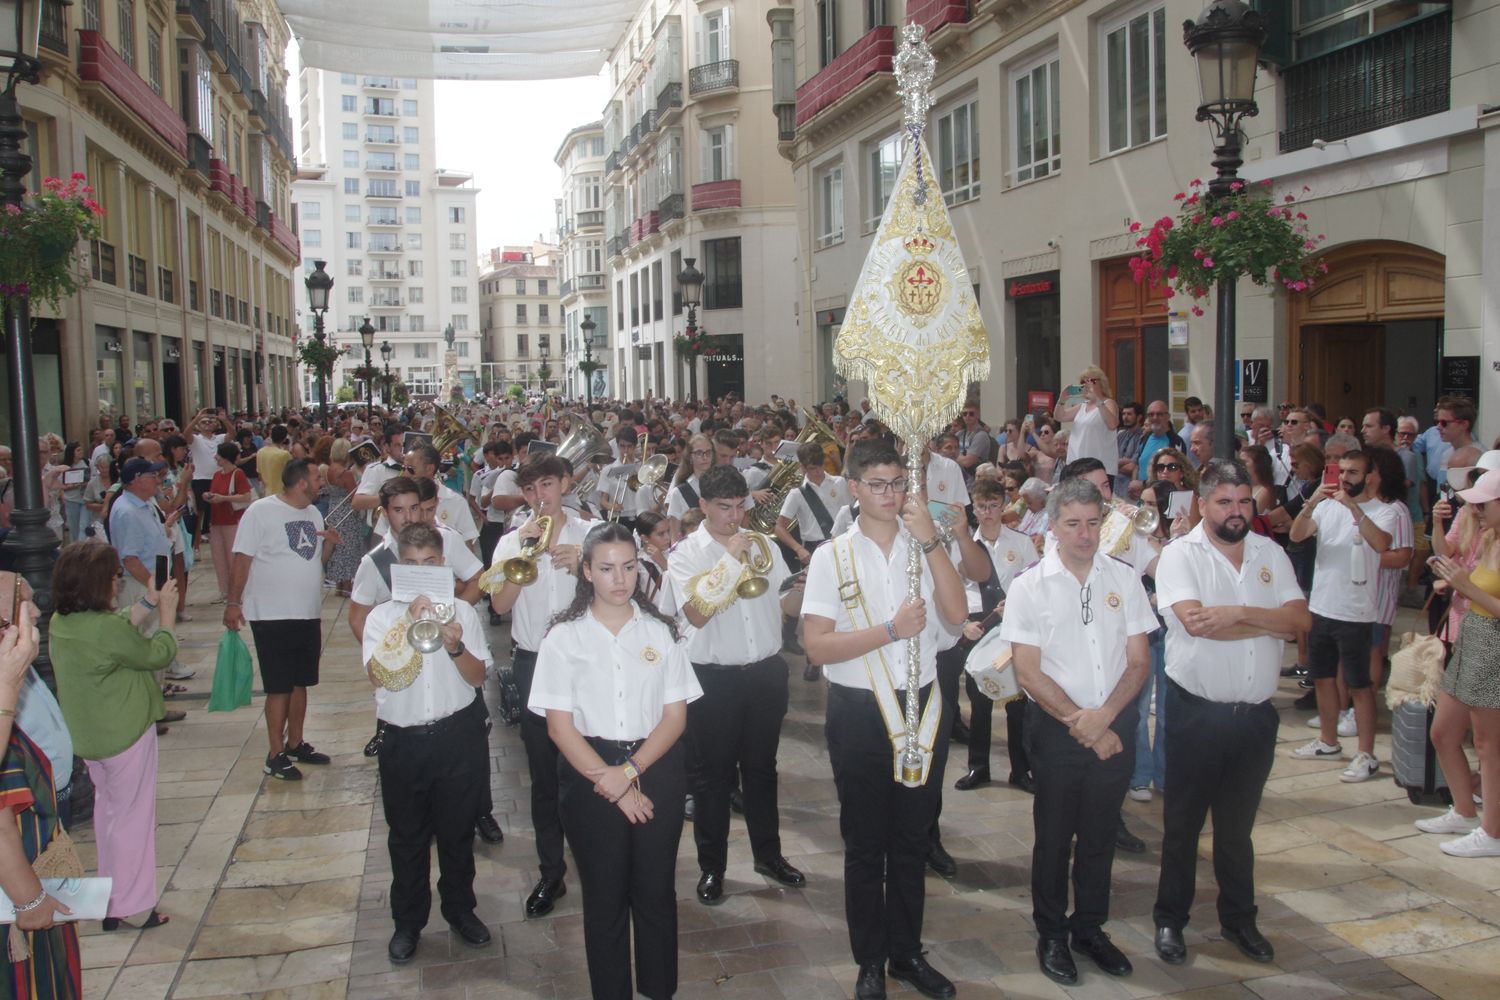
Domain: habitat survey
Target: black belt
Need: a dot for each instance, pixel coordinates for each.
(738, 666)
(1232, 707)
(863, 696)
(438, 726)
(616, 749)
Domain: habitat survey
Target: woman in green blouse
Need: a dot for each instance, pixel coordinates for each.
(110, 698)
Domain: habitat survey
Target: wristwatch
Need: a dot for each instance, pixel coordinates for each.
(456, 653)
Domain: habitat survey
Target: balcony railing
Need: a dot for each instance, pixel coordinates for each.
(649, 122)
(166, 286)
(617, 245)
(669, 98)
(54, 27)
(612, 162)
(714, 76)
(138, 275)
(1383, 79)
(589, 282)
(671, 207)
(589, 220)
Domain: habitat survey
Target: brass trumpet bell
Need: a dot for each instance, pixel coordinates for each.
(521, 569)
(757, 564)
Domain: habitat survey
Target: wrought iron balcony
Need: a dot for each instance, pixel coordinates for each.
(617, 245)
(612, 162)
(669, 98)
(671, 207)
(1382, 79)
(714, 76)
(649, 122)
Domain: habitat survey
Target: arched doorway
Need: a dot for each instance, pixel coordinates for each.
(1370, 333)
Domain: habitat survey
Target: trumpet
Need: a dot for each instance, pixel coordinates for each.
(520, 569)
(635, 477)
(1121, 524)
(753, 581)
(426, 632)
(1142, 518)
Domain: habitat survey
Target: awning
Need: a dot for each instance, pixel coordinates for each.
(459, 39)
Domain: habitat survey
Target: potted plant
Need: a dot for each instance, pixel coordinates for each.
(1246, 233)
(319, 356)
(40, 241)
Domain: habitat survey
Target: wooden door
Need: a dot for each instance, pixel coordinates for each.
(1344, 368)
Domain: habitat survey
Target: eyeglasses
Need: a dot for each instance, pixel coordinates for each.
(700, 453)
(1406, 434)
(1445, 423)
(971, 413)
(1246, 414)
(1291, 422)
(1084, 596)
(988, 508)
(1169, 467)
(408, 470)
(878, 487)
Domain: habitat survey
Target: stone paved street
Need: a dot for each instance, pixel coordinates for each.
(279, 890)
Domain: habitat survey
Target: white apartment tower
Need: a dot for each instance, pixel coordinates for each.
(398, 232)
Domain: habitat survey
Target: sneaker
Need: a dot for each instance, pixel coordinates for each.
(1346, 723)
(221, 599)
(1140, 793)
(1477, 844)
(1362, 768)
(1305, 683)
(1316, 723)
(183, 616)
(1318, 749)
(280, 766)
(305, 754)
(1448, 822)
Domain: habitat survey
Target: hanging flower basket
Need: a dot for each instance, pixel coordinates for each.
(319, 355)
(1243, 234)
(40, 241)
(696, 345)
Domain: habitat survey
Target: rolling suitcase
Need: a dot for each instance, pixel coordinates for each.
(1413, 761)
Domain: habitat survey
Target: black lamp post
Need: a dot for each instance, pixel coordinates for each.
(588, 326)
(545, 372)
(385, 355)
(367, 334)
(1226, 41)
(30, 543)
(691, 280)
(319, 284)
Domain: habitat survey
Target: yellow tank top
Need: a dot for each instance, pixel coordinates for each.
(1487, 580)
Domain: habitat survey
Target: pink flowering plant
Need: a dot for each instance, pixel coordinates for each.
(40, 241)
(1245, 233)
(697, 345)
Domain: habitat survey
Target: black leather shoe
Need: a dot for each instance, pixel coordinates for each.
(781, 870)
(403, 946)
(1250, 941)
(960, 732)
(791, 645)
(471, 929)
(916, 973)
(1170, 946)
(813, 673)
(489, 831)
(1099, 949)
(871, 984)
(1056, 960)
(711, 888)
(547, 892)
(941, 862)
(1127, 841)
(977, 778)
(1023, 782)
(737, 802)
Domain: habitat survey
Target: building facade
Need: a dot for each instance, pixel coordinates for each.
(177, 116)
(581, 235)
(522, 319)
(691, 172)
(1373, 114)
(397, 232)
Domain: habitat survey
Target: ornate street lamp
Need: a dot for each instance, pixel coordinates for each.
(319, 284)
(588, 326)
(691, 280)
(385, 355)
(32, 545)
(1226, 41)
(367, 334)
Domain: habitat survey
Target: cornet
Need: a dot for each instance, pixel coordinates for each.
(426, 632)
(753, 581)
(520, 569)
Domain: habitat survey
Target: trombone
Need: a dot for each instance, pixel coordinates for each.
(753, 580)
(520, 569)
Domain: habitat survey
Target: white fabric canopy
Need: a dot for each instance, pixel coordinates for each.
(459, 39)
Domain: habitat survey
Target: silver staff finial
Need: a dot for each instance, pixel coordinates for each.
(915, 69)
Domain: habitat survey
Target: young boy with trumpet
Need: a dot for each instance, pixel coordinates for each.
(534, 572)
(434, 767)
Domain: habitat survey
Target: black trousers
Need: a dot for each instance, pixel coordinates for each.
(541, 762)
(626, 873)
(1218, 758)
(489, 535)
(950, 667)
(1078, 798)
(736, 729)
(885, 826)
(430, 783)
(1015, 736)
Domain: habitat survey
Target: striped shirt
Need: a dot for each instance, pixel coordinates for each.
(1392, 579)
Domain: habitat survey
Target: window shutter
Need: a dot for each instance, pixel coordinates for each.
(726, 36)
(729, 167)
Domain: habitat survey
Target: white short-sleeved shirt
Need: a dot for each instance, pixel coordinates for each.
(286, 574)
(1138, 555)
(369, 586)
(945, 480)
(1334, 595)
(504, 484)
(635, 501)
(376, 475)
(453, 511)
(677, 504)
(553, 590)
(615, 685)
(1091, 437)
(843, 520)
(1044, 608)
(1193, 569)
(203, 449)
(1391, 580)
(439, 690)
(833, 491)
(882, 581)
(747, 631)
(1010, 552)
(481, 487)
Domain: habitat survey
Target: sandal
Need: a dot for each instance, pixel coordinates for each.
(155, 920)
(170, 690)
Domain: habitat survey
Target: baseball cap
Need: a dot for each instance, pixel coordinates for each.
(1487, 489)
(139, 467)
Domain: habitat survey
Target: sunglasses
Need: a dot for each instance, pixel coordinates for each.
(1445, 423)
(1169, 467)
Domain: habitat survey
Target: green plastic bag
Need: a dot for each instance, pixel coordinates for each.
(232, 674)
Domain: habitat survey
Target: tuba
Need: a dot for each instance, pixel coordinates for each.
(426, 632)
(753, 582)
(582, 445)
(1121, 524)
(448, 431)
(786, 475)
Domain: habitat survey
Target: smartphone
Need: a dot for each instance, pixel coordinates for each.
(1331, 474)
(161, 572)
(75, 477)
(1074, 390)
